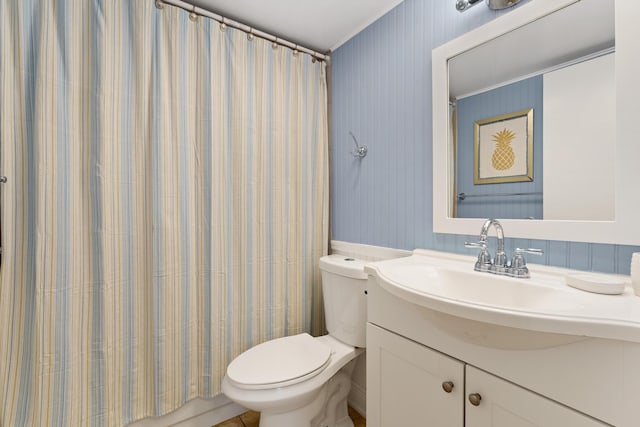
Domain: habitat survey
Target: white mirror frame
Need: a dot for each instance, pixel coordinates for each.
(625, 229)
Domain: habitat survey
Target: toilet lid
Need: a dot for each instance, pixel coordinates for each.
(279, 362)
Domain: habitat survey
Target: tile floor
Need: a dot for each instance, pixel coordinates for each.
(252, 418)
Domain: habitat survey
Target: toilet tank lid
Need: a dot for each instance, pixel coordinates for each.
(343, 265)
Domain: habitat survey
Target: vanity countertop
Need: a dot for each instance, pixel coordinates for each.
(545, 303)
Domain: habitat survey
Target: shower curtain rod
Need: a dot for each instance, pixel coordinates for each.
(240, 26)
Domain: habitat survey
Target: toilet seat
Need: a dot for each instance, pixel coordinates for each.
(280, 362)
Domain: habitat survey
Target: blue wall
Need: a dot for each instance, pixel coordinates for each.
(381, 91)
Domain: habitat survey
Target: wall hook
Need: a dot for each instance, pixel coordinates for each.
(361, 150)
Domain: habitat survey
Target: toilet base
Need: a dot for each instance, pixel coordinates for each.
(328, 409)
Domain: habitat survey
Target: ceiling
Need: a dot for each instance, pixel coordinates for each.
(321, 25)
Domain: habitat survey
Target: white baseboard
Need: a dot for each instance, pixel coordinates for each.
(196, 413)
(358, 398)
(358, 392)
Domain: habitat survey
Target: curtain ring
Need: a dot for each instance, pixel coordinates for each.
(274, 45)
(223, 26)
(313, 59)
(159, 4)
(193, 15)
(250, 35)
(295, 51)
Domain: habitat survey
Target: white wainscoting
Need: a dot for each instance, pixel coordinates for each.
(366, 252)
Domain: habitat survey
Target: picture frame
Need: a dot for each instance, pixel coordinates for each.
(503, 148)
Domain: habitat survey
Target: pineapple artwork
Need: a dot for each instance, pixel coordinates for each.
(504, 148)
(503, 156)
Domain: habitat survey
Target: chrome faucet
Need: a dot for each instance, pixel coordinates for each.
(499, 264)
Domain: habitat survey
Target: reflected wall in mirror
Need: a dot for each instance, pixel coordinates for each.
(573, 133)
(573, 63)
(501, 200)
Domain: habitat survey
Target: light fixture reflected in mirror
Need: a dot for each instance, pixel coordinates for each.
(462, 5)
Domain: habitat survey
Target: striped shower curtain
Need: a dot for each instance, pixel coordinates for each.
(165, 209)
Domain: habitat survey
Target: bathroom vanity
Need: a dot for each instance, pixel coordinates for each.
(448, 346)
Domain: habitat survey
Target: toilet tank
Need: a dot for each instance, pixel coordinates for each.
(345, 304)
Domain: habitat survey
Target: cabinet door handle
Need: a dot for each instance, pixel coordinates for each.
(475, 399)
(447, 386)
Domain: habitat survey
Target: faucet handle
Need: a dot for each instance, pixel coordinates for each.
(529, 251)
(518, 266)
(484, 258)
(480, 244)
(532, 251)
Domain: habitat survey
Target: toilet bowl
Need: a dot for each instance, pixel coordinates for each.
(302, 381)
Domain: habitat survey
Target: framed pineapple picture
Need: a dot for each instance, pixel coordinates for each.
(503, 148)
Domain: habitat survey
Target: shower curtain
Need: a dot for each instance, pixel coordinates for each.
(165, 208)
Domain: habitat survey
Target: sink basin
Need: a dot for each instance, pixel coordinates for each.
(480, 288)
(447, 283)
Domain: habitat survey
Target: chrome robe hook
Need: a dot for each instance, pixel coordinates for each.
(361, 150)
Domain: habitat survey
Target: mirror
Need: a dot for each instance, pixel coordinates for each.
(562, 82)
(554, 57)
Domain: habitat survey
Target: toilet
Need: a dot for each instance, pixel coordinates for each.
(302, 381)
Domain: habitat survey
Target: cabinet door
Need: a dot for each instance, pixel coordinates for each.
(503, 404)
(406, 383)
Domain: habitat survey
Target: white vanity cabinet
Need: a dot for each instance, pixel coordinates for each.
(410, 384)
(504, 404)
